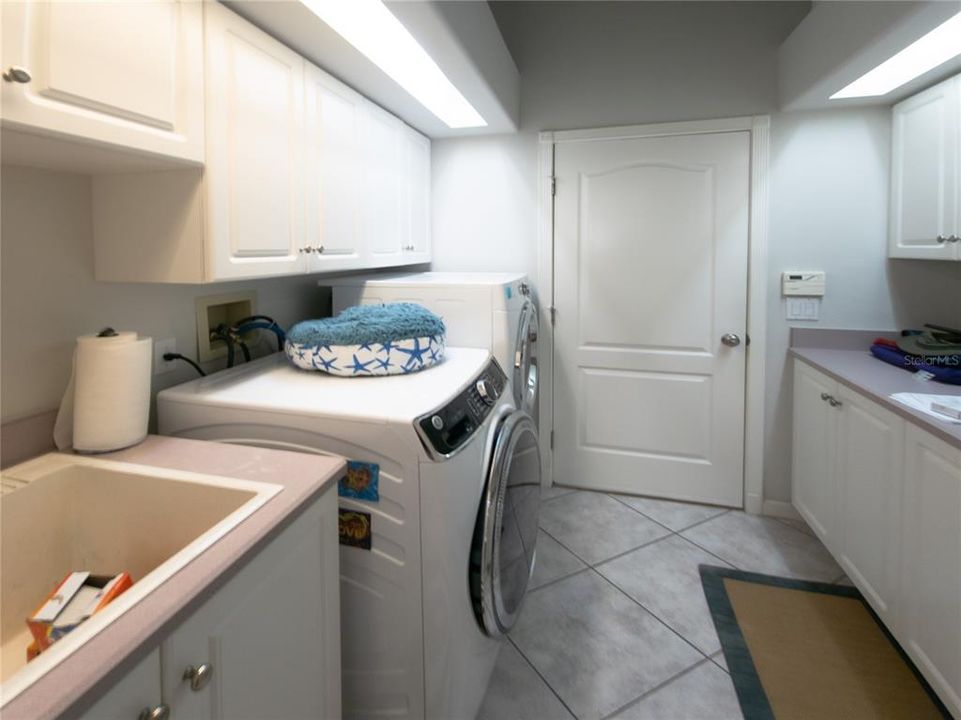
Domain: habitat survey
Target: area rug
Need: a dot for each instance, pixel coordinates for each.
(800, 650)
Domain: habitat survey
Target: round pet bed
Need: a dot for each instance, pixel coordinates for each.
(391, 339)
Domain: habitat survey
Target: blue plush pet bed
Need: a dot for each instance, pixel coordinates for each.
(391, 339)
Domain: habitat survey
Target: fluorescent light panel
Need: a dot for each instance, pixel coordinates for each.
(374, 31)
(925, 53)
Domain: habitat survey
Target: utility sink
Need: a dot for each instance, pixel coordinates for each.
(60, 513)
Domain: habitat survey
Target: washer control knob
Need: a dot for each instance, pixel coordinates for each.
(438, 422)
(485, 392)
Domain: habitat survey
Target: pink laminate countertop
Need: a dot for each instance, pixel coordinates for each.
(106, 657)
(861, 371)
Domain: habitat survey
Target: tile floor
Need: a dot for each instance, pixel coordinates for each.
(616, 625)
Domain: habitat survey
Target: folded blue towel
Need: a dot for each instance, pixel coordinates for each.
(389, 339)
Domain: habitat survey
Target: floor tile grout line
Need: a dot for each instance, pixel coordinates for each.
(711, 658)
(721, 511)
(543, 679)
(652, 614)
(712, 554)
(654, 689)
(628, 552)
(705, 521)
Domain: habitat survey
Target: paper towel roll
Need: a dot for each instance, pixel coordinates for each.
(107, 402)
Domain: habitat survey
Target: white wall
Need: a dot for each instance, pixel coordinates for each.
(830, 169)
(484, 203)
(48, 296)
(829, 207)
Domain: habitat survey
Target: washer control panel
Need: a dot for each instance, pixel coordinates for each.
(447, 428)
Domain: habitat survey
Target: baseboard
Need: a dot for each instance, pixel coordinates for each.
(753, 504)
(781, 509)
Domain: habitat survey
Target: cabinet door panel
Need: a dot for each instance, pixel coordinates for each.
(138, 689)
(870, 471)
(418, 196)
(384, 217)
(123, 74)
(255, 224)
(931, 567)
(271, 633)
(924, 174)
(333, 172)
(812, 479)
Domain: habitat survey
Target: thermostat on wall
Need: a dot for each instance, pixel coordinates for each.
(810, 284)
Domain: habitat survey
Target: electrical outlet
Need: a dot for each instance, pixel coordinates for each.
(161, 348)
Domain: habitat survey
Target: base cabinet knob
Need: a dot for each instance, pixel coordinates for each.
(158, 712)
(198, 676)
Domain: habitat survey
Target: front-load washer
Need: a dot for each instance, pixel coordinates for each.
(495, 311)
(437, 538)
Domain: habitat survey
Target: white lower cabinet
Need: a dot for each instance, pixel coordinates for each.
(930, 624)
(868, 468)
(885, 498)
(265, 645)
(813, 491)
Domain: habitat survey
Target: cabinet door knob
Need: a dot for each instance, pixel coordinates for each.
(159, 712)
(198, 676)
(825, 396)
(319, 249)
(941, 239)
(954, 238)
(731, 339)
(834, 402)
(17, 74)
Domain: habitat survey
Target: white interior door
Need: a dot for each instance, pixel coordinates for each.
(651, 251)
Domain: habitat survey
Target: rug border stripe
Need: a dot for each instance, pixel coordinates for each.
(747, 683)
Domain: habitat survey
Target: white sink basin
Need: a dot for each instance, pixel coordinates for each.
(60, 513)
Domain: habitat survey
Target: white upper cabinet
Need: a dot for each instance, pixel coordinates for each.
(417, 187)
(926, 175)
(302, 175)
(385, 231)
(125, 75)
(334, 153)
(254, 175)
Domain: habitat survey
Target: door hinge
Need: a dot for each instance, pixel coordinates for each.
(553, 186)
(552, 439)
(553, 311)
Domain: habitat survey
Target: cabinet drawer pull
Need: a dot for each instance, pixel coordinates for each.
(17, 74)
(160, 712)
(198, 676)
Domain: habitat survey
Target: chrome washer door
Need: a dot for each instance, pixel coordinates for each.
(525, 361)
(509, 523)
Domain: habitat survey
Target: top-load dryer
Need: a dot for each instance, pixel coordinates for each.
(494, 311)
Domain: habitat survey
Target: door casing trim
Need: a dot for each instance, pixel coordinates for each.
(759, 126)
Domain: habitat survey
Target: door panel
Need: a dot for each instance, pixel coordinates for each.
(650, 270)
(870, 467)
(813, 491)
(254, 183)
(334, 152)
(924, 179)
(385, 227)
(128, 74)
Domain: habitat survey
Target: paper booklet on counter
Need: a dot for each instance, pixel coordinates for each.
(76, 598)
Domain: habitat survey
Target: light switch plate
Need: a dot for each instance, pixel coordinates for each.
(802, 308)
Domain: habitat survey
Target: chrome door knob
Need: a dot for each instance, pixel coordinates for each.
(160, 712)
(198, 676)
(17, 74)
(731, 339)
(941, 239)
(954, 239)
